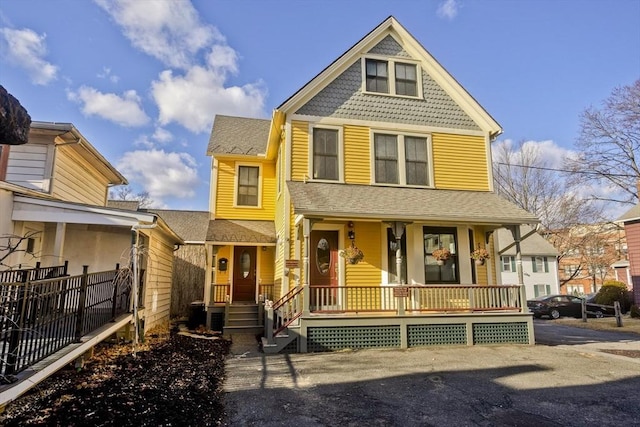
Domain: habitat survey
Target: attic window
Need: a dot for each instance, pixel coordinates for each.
(391, 77)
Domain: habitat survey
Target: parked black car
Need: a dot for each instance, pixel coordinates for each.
(556, 306)
(599, 310)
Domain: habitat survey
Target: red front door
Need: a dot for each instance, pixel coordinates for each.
(323, 266)
(244, 273)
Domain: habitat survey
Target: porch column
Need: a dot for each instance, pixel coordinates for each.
(58, 243)
(306, 292)
(398, 229)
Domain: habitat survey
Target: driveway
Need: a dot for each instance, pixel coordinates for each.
(462, 386)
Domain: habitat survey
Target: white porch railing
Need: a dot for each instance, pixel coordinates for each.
(416, 299)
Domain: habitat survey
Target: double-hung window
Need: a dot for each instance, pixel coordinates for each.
(248, 189)
(391, 77)
(401, 159)
(326, 154)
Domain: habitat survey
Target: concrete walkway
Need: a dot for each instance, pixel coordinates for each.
(480, 386)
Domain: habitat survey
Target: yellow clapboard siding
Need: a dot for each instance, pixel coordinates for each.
(75, 180)
(460, 162)
(267, 266)
(367, 271)
(357, 167)
(299, 150)
(226, 187)
(482, 271)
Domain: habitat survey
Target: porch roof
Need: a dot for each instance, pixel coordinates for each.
(227, 231)
(400, 203)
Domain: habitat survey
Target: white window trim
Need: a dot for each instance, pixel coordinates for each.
(313, 126)
(235, 186)
(402, 160)
(392, 75)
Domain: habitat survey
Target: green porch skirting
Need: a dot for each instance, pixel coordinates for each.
(331, 334)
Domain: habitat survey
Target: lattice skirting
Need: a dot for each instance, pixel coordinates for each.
(424, 335)
(331, 338)
(501, 333)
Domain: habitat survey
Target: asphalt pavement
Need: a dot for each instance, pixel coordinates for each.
(580, 382)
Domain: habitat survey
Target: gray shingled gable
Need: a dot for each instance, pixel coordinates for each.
(417, 204)
(534, 244)
(389, 47)
(343, 98)
(238, 135)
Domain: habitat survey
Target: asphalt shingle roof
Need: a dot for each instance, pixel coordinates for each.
(241, 231)
(631, 214)
(191, 226)
(397, 203)
(238, 135)
(534, 244)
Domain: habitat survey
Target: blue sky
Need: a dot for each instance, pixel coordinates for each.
(142, 80)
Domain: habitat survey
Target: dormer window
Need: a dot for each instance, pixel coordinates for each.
(391, 77)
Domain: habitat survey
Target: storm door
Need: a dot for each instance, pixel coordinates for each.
(244, 274)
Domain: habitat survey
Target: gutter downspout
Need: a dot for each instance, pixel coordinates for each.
(135, 231)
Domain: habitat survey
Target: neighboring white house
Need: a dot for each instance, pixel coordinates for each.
(539, 262)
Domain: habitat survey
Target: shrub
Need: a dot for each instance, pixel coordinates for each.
(635, 311)
(611, 291)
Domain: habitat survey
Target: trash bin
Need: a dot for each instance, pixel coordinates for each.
(197, 315)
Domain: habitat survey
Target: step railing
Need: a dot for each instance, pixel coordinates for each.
(283, 313)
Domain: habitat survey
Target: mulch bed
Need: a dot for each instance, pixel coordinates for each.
(178, 381)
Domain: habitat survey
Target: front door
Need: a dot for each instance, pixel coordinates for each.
(244, 273)
(323, 266)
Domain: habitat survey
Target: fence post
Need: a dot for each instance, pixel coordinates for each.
(37, 272)
(616, 307)
(261, 301)
(66, 267)
(114, 300)
(81, 302)
(16, 331)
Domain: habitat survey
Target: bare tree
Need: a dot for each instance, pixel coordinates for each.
(609, 144)
(125, 193)
(525, 177)
(13, 244)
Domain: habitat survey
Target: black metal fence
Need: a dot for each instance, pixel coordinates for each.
(40, 317)
(31, 274)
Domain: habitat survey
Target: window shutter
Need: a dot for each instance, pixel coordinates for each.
(546, 265)
(513, 264)
(533, 265)
(548, 289)
(536, 291)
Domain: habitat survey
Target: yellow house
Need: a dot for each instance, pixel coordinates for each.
(336, 209)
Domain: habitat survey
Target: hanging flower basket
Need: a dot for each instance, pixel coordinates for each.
(480, 255)
(441, 255)
(352, 254)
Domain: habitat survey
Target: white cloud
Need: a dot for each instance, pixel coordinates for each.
(161, 174)
(125, 110)
(448, 9)
(549, 153)
(26, 49)
(193, 99)
(170, 31)
(162, 135)
(106, 74)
